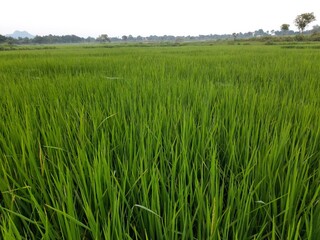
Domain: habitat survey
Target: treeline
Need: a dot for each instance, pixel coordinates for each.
(260, 33)
(49, 39)
(69, 39)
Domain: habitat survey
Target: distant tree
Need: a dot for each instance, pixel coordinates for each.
(124, 38)
(234, 36)
(90, 39)
(285, 27)
(303, 20)
(316, 29)
(10, 41)
(260, 33)
(50, 39)
(130, 38)
(24, 40)
(37, 39)
(178, 40)
(103, 38)
(2, 39)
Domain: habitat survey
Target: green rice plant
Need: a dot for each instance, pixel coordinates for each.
(194, 142)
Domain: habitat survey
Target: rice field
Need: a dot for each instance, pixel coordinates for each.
(189, 142)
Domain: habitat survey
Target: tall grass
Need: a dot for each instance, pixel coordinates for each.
(219, 142)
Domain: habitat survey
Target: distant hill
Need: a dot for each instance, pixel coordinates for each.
(20, 34)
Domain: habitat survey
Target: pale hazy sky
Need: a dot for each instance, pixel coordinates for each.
(154, 17)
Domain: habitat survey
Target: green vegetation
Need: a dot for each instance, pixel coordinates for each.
(189, 142)
(303, 20)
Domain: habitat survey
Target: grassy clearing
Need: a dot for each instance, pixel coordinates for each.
(216, 142)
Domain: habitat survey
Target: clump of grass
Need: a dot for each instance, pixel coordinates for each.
(217, 142)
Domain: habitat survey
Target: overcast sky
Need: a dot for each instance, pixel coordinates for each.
(154, 17)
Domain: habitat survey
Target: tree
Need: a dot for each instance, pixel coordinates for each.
(303, 20)
(316, 29)
(2, 39)
(130, 38)
(260, 33)
(234, 36)
(124, 38)
(285, 27)
(103, 38)
(10, 41)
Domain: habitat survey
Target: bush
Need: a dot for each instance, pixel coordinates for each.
(299, 38)
(315, 37)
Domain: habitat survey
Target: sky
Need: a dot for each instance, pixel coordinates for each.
(154, 17)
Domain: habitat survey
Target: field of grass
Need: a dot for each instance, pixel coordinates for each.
(190, 142)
